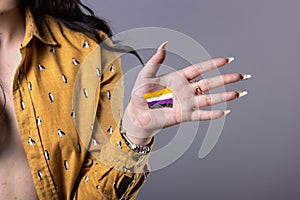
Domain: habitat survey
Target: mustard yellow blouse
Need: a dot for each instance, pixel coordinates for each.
(68, 97)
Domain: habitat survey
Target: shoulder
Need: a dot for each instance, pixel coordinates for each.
(80, 45)
(63, 35)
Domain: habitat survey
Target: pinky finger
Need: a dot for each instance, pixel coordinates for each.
(203, 115)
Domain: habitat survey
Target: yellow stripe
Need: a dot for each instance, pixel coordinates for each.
(162, 97)
(158, 93)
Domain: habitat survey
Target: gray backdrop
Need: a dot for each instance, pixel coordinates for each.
(257, 156)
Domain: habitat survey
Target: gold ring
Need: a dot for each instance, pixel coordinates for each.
(198, 91)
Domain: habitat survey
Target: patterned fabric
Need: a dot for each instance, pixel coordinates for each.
(68, 96)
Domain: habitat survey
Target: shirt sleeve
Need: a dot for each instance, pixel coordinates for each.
(111, 169)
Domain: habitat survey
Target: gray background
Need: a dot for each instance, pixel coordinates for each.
(257, 156)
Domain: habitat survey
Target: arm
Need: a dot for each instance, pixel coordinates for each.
(111, 170)
(116, 165)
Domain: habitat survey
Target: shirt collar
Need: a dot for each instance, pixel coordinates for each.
(37, 28)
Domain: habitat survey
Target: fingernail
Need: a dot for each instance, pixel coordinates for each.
(163, 45)
(226, 112)
(230, 59)
(246, 76)
(242, 94)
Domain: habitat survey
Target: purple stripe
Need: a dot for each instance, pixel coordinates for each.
(165, 101)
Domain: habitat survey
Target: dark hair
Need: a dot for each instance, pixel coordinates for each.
(78, 17)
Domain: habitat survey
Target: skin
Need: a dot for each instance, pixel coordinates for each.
(140, 122)
(15, 176)
(143, 123)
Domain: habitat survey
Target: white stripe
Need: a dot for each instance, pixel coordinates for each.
(159, 98)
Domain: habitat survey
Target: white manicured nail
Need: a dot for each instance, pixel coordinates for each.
(230, 59)
(163, 45)
(246, 76)
(226, 112)
(242, 94)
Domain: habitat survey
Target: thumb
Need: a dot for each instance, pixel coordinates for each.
(152, 66)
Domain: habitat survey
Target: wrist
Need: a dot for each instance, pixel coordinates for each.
(141, 146)
(133, 139)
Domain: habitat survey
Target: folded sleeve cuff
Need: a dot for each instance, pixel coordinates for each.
(115, 153)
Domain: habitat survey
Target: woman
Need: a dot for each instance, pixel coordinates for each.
(44, 45)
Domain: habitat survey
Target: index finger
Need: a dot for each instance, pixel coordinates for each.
(196, 70)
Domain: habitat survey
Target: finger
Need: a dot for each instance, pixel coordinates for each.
(213, 99)
(196, 70)
(152, 66)
(215, 82)
(203, 115)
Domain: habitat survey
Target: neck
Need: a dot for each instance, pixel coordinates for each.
(12, 22)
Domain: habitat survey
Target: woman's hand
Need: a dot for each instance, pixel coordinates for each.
(141, 122)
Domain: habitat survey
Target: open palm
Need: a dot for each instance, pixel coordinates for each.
(142, 122)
